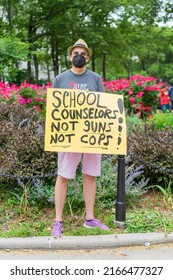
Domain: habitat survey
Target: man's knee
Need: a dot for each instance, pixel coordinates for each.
(89, 178)
(62, 179)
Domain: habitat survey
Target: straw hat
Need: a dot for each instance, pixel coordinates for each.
(80, 43)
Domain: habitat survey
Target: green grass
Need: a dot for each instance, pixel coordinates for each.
(145, 214)
(148, 221)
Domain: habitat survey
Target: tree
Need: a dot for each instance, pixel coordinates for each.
(125, 37)
(12, 51)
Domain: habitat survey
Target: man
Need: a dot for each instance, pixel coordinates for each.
(78, 77)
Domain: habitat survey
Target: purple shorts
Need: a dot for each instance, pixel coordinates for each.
(68, 162)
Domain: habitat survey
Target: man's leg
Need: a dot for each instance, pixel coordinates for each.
(89, 190)
(67, 164)
(61, 187)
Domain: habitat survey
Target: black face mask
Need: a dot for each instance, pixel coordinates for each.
(79, 61)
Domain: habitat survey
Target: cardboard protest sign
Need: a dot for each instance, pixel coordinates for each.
(85, 122)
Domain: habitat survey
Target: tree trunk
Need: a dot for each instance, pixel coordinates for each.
(54, 53)
(53, 57)
(29, 68)
(57, 56)
(30, 34)
(9, 13)
(36, 66)
(93, 62)
(66, 62)
(47, 64)
(104, 66)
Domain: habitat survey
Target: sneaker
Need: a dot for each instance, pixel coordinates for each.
(57, 229)
(95, 223)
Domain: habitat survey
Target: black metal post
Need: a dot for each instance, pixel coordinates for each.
(120, 202)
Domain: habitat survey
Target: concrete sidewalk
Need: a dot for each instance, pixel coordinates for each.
(85, 242)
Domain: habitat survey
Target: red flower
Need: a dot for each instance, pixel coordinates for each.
(132, 99)
(140, 94)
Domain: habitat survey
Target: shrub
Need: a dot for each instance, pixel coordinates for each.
(161, 120)
(22, 153)
(140, 93)
(22, 143)
(29, 95)
(135, 182)
(27, 92)
(38, 193)
(133, 121)
(153, 149)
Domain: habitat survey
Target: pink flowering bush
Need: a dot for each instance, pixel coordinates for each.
(140, 93)
(31, 96)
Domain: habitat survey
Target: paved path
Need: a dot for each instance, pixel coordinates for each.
(85, 242)
(146, 252)
(98, 255)
(121, 246)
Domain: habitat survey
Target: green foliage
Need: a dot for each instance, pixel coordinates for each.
(27, 92)
(153, 149)
(12, 51)
(167, 193)
(133, 121)
(107, 183)
(127, 32)
(22, 144)
(23, 230)
(81, 231)
(162, 120)
(75, 201)
(41, 194)
(17, 76)
(140, 93)
(148, 221)
(22, 153)
(38, 221)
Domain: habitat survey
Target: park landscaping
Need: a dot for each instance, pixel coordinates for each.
(27, 172)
